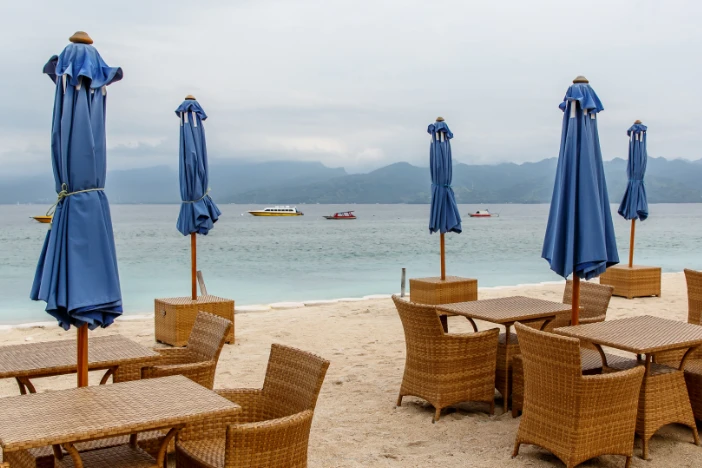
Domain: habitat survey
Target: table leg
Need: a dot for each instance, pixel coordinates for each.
(25, 385)
(444, 322)
(75, 455)
(110, 372)
(507, 393)
(472, 322)
(546, 322)
(603, 356)
(161, 459)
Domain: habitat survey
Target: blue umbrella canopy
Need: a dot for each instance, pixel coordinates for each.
(634, 204)
(198, 212)
(444, 216)
(580, 234)
(77, 273)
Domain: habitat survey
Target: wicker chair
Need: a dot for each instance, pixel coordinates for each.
(694, 315)
(442, 368)
(273, 428)
(594, 300)
(575, 417)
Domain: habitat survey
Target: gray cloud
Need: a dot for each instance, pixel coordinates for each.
(354, 83)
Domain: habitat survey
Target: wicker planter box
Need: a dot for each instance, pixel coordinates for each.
(435, 291)
(637, 281)
(174, 316)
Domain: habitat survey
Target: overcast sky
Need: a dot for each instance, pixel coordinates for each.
(355, 83)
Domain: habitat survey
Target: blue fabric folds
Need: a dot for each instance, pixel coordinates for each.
(444, 216)
(77, 273)
(634, 204)
(580, 235)
(198, 212)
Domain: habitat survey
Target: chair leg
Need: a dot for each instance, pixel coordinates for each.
(437, 415)
(628, 462)
(399, 400)
(492, 408)
(516, 448)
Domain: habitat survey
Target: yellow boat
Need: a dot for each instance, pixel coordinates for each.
(277, 211)
(43, 219)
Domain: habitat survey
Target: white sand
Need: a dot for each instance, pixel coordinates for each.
(356, 424)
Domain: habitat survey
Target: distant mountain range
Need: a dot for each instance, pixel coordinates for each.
(667, 181)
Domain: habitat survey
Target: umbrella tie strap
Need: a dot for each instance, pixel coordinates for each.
(442, 185)
(65, 193)
(199, 199)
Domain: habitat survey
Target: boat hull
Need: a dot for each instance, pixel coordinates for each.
(339, 217)
(481, 216)
(259, 213)
(43, 219)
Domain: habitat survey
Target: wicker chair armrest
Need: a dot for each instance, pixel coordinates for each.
(611, 390)
(200, 372)
(170, 356)
(265, 442)
(485, 338)
(254, 406)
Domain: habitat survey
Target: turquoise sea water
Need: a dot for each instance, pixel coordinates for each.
(263, 260)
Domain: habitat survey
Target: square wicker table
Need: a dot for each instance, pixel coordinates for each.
(635, 281)
(506, 311)
(664, 398)
(49, 358)
(65, 417)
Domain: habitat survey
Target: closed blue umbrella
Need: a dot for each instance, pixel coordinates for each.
(444, 216)
(198, 212)
(634, 204)
(77, 271)
(580, 235)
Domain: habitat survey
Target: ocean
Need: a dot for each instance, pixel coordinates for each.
(256, 260)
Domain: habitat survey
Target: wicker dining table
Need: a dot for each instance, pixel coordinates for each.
(27, 361)
(63, 418)
(664, 398)
(506, 311)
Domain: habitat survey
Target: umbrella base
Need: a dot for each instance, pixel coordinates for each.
(637, 281)
(435, 291)
(174, 317)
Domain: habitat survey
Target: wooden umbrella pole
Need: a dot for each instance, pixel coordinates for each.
(575, 313)
(82, 362)
(193, 264)
(443, 258)
(631, 243)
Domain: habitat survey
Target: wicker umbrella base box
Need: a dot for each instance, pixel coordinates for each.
(435, 291)
(174, 316)
(637, 281)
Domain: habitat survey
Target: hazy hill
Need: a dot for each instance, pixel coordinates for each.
(671, 181)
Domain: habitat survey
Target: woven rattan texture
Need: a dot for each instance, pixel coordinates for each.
(575, 417)
(82, 414)
(445, 369)
(59, 357)
(594, 302)
(644, 334)
(506, 310)
(174, 317)
(197, 361)
(434, 291)
(693, 380)
(273, 427)
(121, 456)
(637, 281)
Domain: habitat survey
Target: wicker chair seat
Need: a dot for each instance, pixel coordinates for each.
(121, 456)
(207, 453)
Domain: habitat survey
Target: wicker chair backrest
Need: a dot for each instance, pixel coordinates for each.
(551, 368)
(694, 296)
(594, 299)
(293, 380)
(207, 337)
(419, 321)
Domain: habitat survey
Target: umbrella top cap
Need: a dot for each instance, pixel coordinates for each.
(190, 97)
(81, 37)
(581, 79)
(439, 119)
(637, 122)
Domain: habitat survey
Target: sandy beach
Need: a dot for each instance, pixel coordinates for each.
(356, 424)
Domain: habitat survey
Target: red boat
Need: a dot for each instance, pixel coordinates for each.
(483, 214)
(342, 215)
